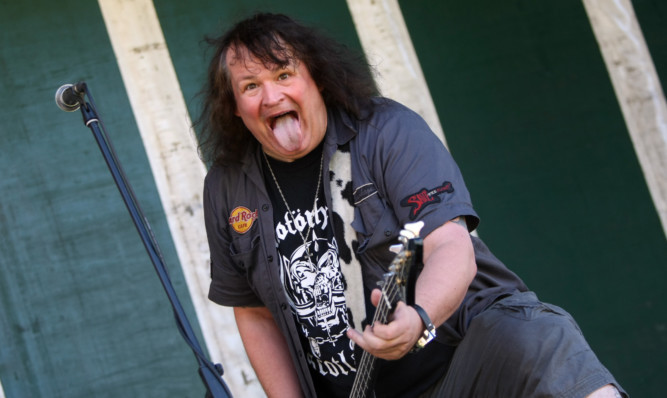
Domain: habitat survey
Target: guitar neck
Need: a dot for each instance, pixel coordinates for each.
(392, 292)
(366, 370)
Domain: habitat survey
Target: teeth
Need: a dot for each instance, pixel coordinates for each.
(274, 118)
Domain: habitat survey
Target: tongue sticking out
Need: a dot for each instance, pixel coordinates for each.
(287, 131)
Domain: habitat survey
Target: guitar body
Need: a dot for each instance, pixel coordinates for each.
(395, 283)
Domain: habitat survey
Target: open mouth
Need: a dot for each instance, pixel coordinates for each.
(273, 120)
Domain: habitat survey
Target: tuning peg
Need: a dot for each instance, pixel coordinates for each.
(411, 230)
(396, 248)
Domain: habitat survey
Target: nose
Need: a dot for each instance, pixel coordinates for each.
(272, 94)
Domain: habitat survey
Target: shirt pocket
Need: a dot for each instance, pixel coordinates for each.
(243, 252)
(374, 221)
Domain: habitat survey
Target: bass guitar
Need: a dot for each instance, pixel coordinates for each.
(396, 285)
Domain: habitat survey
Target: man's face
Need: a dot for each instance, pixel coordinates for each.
(282, 107)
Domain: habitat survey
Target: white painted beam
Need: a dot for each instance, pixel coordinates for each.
(387, 45)
(162, 117)
(637, 88)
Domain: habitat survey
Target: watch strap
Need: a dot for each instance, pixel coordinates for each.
(429, 329)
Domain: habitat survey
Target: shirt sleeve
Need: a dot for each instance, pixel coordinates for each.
(229, 282)
(419, 177)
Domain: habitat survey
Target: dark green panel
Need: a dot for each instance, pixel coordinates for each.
(652, 17)
(530, 114)
(185, 24)
(82, 311)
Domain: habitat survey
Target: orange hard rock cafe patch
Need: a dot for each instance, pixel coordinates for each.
(241, 219)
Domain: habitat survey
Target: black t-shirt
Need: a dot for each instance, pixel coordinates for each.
(315, 289)
(310, 271)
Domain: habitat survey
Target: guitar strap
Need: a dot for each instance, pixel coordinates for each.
(415, 270)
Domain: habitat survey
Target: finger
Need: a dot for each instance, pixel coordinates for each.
(402, 320)
(390, 338)
(366, 340)
(403, 330)
(356, 337)
(379, 347)
(376, 294)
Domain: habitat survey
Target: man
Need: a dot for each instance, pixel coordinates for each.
(313, 177)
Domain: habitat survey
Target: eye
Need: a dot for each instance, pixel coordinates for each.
(283, 76)
(249, 86)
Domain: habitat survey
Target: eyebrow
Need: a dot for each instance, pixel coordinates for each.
(247, 77)
(251, 76)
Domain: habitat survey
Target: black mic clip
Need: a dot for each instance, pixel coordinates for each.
(69, 97)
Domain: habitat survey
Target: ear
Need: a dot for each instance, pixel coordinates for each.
(236, 111)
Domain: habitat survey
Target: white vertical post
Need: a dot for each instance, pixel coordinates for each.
(162, 117)
(387, 45)
(637, 88)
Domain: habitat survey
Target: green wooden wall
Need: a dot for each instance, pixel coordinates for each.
(652, 16)
(82, 311)
(529, 113)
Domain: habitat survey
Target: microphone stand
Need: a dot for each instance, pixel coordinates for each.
(211, 374)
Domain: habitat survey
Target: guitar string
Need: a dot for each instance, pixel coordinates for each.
(391, 293)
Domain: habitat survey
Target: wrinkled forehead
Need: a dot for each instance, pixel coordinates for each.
(270, 59)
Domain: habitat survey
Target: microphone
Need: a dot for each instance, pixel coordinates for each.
(70, 96)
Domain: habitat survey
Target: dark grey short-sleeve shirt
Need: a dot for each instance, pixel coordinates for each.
(401, 172)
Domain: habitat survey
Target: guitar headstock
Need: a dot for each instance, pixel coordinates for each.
(408, 253)
(412, 230)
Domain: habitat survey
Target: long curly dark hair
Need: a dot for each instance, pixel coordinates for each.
(343, 75)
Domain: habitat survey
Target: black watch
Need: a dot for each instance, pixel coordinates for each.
(429, 329)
